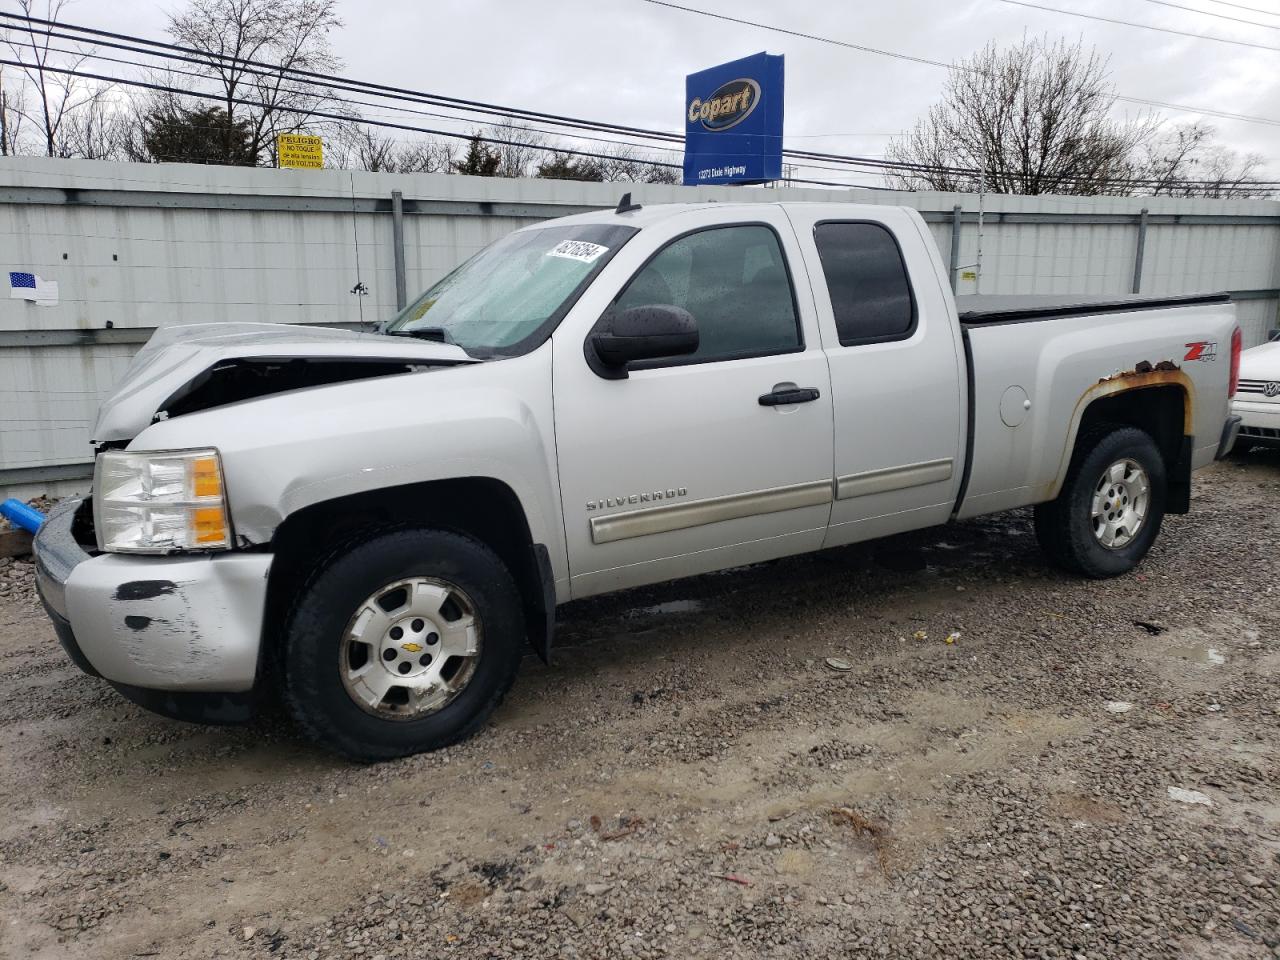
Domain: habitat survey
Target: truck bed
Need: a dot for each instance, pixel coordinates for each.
(1030, 382)
(984, 310)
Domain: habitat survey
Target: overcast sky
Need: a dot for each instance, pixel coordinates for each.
(625, 60)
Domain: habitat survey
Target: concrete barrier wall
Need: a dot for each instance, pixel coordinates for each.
(135, 246)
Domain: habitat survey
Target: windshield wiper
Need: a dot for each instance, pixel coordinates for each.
(437, 334)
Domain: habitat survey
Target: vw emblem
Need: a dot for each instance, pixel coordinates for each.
(1271, 388)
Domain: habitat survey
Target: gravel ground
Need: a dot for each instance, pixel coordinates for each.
(788, 760)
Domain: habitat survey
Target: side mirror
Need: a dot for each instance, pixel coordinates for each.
(640, 333)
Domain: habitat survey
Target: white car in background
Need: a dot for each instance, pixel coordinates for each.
(1257, 401)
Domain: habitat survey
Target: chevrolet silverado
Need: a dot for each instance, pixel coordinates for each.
(374, 524)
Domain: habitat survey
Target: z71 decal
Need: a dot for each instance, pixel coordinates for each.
(1202, 350)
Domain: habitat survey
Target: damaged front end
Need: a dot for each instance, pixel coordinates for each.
(194, 367)
(248, 378)
(179, 635)
(173, 623)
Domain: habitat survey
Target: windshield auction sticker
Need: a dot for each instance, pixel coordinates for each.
(579, 250)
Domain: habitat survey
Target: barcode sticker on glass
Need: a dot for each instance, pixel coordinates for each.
(578, 250)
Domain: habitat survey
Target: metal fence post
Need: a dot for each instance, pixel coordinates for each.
(955, 246)
(397, 247)
(1140, 251)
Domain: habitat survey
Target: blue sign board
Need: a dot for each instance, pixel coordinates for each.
(733, 122)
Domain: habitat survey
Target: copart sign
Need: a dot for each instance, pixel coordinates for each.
(733, 122)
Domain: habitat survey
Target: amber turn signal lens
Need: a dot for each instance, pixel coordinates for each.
(205, 479)
(209, 525)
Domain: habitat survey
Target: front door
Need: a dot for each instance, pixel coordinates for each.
(692, 464)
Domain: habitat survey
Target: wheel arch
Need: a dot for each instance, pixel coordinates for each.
(484, 508)
(1158, 402)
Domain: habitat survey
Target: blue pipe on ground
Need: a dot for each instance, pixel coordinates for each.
(20, 515)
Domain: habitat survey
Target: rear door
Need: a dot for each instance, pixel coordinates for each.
(682, 467)
(897, 372)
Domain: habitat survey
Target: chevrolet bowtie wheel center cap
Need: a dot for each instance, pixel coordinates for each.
(407, 649)
(410, 648)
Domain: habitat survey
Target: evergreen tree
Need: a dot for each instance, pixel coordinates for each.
(479, 161)
(173, 134)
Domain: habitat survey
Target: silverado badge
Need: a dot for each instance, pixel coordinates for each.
(648, 497)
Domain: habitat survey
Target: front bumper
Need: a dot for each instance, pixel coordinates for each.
(1259, 423)
(179, 623)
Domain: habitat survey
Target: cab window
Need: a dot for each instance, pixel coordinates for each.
(734, 281)
(867, 282)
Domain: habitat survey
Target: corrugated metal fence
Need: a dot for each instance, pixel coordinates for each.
(134, 246)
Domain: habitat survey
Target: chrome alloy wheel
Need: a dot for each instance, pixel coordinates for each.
(410, 648)
(1120, 502)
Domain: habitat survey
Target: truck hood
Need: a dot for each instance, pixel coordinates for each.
(189, 367)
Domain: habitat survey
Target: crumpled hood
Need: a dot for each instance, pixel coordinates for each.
(176, 355)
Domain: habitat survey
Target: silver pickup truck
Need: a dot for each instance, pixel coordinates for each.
(374, 525)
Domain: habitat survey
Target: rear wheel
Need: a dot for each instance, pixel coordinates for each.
(402, 643)
(1111, 505)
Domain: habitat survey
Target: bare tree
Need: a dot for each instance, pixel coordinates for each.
(289, 34)
(364, 148)
(53, 95)
(625, 164)
(523, 150)
(426, 156)
(137, 113)
(1032, 118)
(1226, 173)
(97, 131)
(12, 102)
(1186, 162)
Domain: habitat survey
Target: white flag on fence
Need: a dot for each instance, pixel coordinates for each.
(27, 286)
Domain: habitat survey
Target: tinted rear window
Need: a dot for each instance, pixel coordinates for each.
(867, 281)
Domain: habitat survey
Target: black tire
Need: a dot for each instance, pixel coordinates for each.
(1064, 526)
(310, 659)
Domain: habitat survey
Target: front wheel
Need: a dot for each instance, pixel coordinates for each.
(402, 643)
(1111, 505)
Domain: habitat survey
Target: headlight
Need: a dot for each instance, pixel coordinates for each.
(160, 502)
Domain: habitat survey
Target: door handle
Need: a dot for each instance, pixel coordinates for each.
(781, 397)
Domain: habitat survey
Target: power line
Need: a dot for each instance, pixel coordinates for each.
(1209, 13)
(326, 115)
(1207, 111)
(258, 68)
(797, 33)
(319, 114)
(332, 82)
(323, 79)
(192, 55)
(359, 103)
(328, 80)
(357, 118)
(1222, 114)
(1240, 6)
(1142, 26)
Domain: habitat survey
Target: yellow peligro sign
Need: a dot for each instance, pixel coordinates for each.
(300, 150)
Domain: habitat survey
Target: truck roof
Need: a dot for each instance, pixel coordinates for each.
(649, 214)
